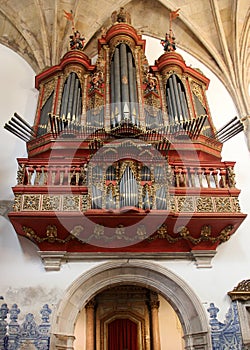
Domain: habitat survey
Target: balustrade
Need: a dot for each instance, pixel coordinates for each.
(76, 175)
(203, 177)
(48, 175)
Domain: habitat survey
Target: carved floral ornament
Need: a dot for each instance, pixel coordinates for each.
(122, 233)
(75, 203)
(122, 39)
(49, 87)
(197, 90)
(176, 71)
(241, 291)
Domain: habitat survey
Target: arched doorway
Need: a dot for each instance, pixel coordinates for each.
(133, 272)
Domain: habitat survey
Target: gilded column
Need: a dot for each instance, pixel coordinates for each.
(90, 325)
(155, 331)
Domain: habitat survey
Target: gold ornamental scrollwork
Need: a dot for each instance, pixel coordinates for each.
(17, 202)
(241, 291)
(121, 40)
(204, 204)
(184, 233)
(51, 234)
(31, 202)
(49, 87)
(197, 90)
(50, 202)
(20, 174)
(223, 205)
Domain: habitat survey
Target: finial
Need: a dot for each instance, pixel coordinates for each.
(77, 41)
(169, 42)
(121, 17)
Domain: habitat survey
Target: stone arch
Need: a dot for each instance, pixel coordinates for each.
(139, 272)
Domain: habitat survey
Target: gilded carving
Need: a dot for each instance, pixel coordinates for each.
(76, 230)
(197, 90)
(185, 204)
(171, 203)
(122, 16)
(20, 174)
(243, 286)
(144, 63)
(162, 233)
(223, 204)
(184, 233)
(95, 103)
(98, 231)
(120, 232)
(151, 83)
(51, 233)
(31, 202)
(85, 202)
(48, 89)
(225, 233)
(241, 291)
(96, 82)
(71, 203)
(206, 231)
(50, 202)
(152, 104)
(133, 167)
(204, 204)
(236, 204)
(30, 233)
(121, 40)
(141, 232)
(231, 177)
(17, 202)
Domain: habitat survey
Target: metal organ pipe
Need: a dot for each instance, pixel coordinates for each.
(185, 105)
(65, 97)
(128, 189)
(131, 85)
(79, 105)
(177, 98)
(173, 99)
(71, 95)
(124, 75)
(75, 101)
(117, 84)
(136, 97)
(123, 86)
(182, 102)
(112, 80)
(169, 104)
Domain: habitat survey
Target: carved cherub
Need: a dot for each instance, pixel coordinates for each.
(77, 41)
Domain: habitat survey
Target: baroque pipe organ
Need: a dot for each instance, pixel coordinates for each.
(123, 157)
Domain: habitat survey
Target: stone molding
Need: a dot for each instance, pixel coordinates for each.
(53, 260)
(142, 273)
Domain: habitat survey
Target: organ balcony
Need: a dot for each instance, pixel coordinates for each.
(126, 196)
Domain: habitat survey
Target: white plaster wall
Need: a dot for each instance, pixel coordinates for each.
(23, 279)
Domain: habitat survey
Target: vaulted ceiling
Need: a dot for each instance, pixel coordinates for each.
(217, 32)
